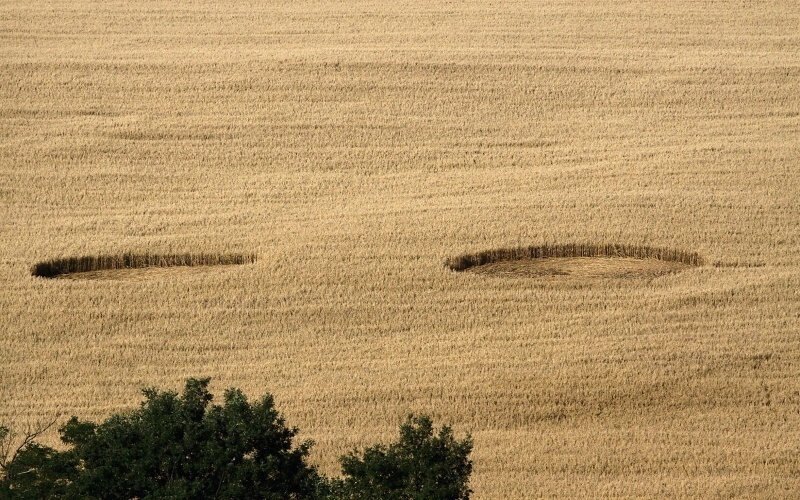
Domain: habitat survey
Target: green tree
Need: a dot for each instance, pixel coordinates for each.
(30, 470)
(421, 465)
(33, 471)
(185, 447)
(173, 447)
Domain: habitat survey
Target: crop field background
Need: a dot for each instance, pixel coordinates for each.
(355, 147)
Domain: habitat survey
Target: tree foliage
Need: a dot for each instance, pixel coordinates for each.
(186, 447)
(420, 465)
(172, 447)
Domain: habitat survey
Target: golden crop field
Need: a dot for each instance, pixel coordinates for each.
(355, 147)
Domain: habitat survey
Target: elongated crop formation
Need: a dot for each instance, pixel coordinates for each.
(466, 261)
(57, 267)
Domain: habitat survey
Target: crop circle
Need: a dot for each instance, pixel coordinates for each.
(577, 260)
(96, 265)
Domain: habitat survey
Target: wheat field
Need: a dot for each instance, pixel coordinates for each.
(355, 147)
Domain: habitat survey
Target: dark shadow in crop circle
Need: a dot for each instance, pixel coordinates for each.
(577, 258)
(85, 264)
